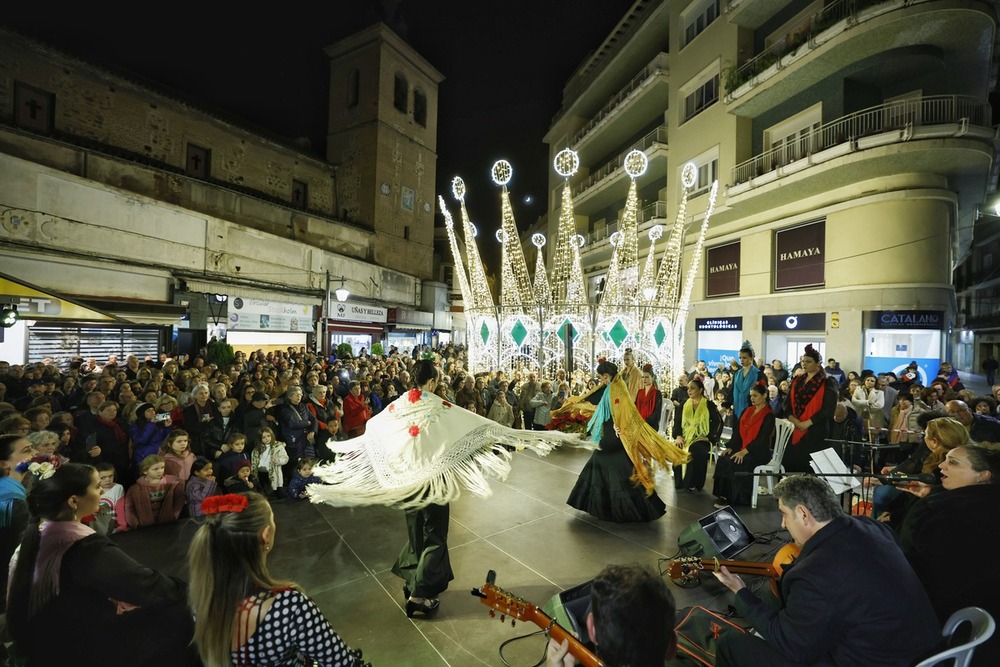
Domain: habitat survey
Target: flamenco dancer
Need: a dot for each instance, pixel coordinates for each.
(617, 482)
(417, 455)
(812, 401)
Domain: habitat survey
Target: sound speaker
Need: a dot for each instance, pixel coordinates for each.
(721, 534)
(570, 608)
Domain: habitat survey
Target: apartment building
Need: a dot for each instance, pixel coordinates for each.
(853, 144)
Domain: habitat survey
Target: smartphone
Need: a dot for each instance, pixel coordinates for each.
(161, 417)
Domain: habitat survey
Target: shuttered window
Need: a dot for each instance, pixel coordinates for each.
(61, 344)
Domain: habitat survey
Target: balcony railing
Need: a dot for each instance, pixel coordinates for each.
(800, 34)
(657, 136)
(656, 66)
(898, 115)
(656, 210)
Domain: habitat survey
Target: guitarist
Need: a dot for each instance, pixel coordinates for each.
(631, 620)
(850, 598)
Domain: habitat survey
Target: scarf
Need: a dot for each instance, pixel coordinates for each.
(56, 539)
(741, 389)
(119, 433)
(900, 426)
(695, 422)
(422, 450)
(602, 413)
(645, 401)
(750, 424)
(806, 399)
(11, 491)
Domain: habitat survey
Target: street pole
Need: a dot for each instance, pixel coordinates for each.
(326, 321)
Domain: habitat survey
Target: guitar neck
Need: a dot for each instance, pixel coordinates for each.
(740, 567)
(559, 633)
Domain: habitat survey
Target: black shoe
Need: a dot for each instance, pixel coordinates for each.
(406, 593)
(427, 607)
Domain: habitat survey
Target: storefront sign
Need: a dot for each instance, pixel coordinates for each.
(904, 319)
(358, 312)
(718, 323)
(794, 322)
(35, 304)
(800, 256)
(259, 315)
(722, 270)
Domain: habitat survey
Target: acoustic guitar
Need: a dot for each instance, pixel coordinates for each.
(519, 609)
(685, 570)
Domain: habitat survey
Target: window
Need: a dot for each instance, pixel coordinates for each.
(401, 93)
(420, 108)
(699, 17)
(707, 165)
(300, 194)
(794, 138)
(353, 88)
(406, 232)
(33, 108)
(198, 162)
(703, 94)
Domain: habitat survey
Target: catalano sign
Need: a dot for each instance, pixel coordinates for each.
(905, 319)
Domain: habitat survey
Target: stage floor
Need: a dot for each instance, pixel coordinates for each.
(536, 543)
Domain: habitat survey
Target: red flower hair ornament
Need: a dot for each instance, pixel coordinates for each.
(231, 502)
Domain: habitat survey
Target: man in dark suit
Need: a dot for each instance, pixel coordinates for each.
(850, 598)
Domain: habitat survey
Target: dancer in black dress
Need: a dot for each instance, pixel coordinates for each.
(749, 447)
(612, 486)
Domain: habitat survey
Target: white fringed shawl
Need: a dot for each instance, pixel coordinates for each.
(422, 450)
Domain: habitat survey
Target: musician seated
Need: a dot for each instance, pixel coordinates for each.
(631, 621)
(850, 598)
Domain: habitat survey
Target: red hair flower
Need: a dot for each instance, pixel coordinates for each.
(413, 395)
(414, 431)
(231, 502)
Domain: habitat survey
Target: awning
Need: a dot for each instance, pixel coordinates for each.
(219, 287)
(409, 326)
(335, 326)
(35, 303)
(152, 313)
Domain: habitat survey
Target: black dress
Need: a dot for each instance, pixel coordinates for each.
(604, 488)
(738, 490)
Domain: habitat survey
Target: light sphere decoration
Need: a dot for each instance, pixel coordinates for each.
(655, 233)
(567, 162)
(502, 172)
(473, 229)
(502, 235)
(636, 163)
(577, 240)
(689, 175)
(458, 187)
(648, 293)
(616, 238)
(538, 240)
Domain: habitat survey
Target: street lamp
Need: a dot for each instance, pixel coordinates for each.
(342, 292)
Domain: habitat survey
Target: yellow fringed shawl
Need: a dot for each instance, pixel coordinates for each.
(646, 448)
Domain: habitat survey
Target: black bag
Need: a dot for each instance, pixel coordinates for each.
(698, 634)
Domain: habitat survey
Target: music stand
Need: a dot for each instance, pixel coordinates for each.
(827, 465)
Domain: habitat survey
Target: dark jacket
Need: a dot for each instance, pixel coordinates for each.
(215, 434)
(836, 602)
(194, 423)
(943, 530)
(296, 422)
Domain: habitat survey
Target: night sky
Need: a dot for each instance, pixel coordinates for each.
(504, 64)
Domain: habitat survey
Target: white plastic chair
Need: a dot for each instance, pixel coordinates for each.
(782, 436)
(983, 626)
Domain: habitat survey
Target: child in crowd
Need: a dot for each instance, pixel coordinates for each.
(234, 457)
(201, 485)
(177, 455)
(148, 432)
(156, 497)
(112, 499)
(241, 481)
(303, 476)
(267, 458)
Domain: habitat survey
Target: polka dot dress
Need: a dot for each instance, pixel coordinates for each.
(294, 633)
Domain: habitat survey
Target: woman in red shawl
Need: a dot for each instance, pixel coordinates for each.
(812, 400)
(749, 447)
(649, 400)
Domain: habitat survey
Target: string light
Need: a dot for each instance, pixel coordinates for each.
(481, 296)
(542, 292)
(514, 260)
(646, 289)
(463, 281)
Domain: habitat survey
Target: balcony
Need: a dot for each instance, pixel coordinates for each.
(601, 189)
(642, 98)
(848, 32)
(985, 313)
(597, 243)
(899, 122)
(752, 13)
